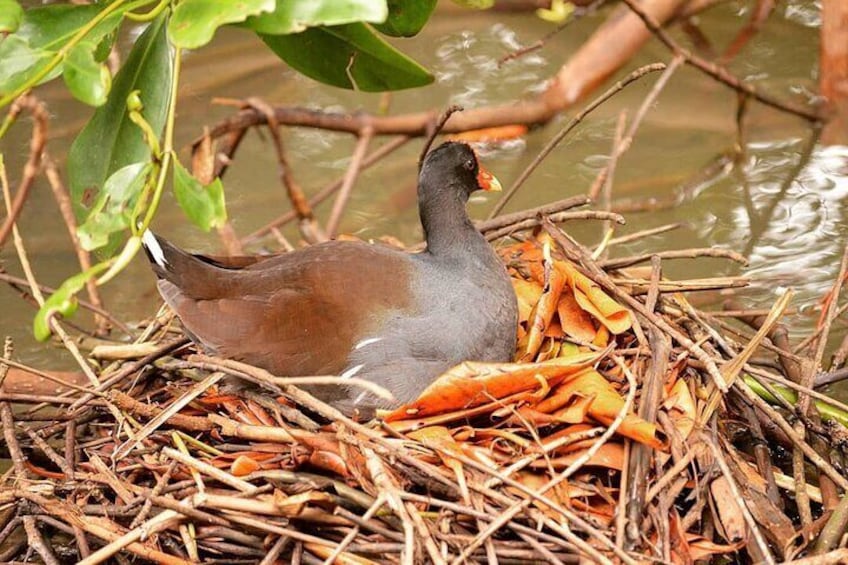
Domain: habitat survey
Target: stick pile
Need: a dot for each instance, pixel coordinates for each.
(633, 428)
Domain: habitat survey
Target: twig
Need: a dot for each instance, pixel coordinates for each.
(717, 252)
(37, 542)
(610, 92)
(652, 389)
(63, 200)
(36, 147)
(719, 73)
(330, 189)
(308, 227)
(571, 248)
(432, 132)
(556, 217)
(97, 310)
(623, 143)
(350, 177)
(575, 15)
(507, 220)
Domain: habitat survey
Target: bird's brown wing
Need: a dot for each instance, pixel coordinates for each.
(299, 313)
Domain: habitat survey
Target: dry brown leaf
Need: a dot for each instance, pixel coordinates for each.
(470, 384)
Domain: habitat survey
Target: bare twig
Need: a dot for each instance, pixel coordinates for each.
(555, 140)
(717, 72)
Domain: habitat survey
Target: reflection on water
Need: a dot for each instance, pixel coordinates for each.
(802, 243)
(782, 206)
(466, 66)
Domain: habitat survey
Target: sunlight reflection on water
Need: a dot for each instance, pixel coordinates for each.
(465, 64)
(801, 244)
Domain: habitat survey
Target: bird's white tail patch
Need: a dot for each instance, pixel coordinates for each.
(350, 372)
(152, 245)
(368, 341)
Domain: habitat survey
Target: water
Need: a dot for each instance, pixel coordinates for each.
(782, 206)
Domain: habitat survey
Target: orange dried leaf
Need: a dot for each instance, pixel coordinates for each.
(216, 399)
(606, 403)
(243, 465)
(609, 455)
(562, 494)
(471, 384)
(525, 258)
(576, 322)
(602, 338)
(542, 313)
(442, 442)
(528, 294)
(260, 413)
(575, 412)
(702, 548)
(595, 301)
(413, 423)
(329, 461)
(681, 408)
(496, 133)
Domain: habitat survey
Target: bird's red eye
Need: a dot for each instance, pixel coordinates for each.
(469, 165)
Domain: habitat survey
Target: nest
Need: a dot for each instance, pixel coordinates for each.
(633, 427)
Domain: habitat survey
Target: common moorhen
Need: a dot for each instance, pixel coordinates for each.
(350, 308)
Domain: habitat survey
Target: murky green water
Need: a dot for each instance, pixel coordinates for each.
(782, 207)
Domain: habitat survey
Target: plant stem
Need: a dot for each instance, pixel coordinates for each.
(827, 411)
(151, 15)
(168, 145)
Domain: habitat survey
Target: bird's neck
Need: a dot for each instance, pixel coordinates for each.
(447, 228)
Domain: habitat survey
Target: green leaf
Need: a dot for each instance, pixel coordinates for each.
(112, 212)
(11, 15)
(120, 262)
(19, 62)
(349, 56)
(42, 32)
(110, 140)
(293, 16)
(63, 301)
(406, 17)
(194, 21)
(50, 27)
(204, 205)
(88, 80)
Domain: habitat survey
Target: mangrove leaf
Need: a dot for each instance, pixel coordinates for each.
(406, 17)
(194, 21)
(88, 80)
(112, 212)
(297, 15)
(348, 56)
(110, 140)
(204, 205)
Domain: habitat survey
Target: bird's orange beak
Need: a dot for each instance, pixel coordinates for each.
(487, 181)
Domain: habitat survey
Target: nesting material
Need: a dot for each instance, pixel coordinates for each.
(632, 428)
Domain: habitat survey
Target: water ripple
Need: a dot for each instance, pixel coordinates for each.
(793, 230)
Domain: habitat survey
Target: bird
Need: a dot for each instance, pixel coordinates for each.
(350, 308)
